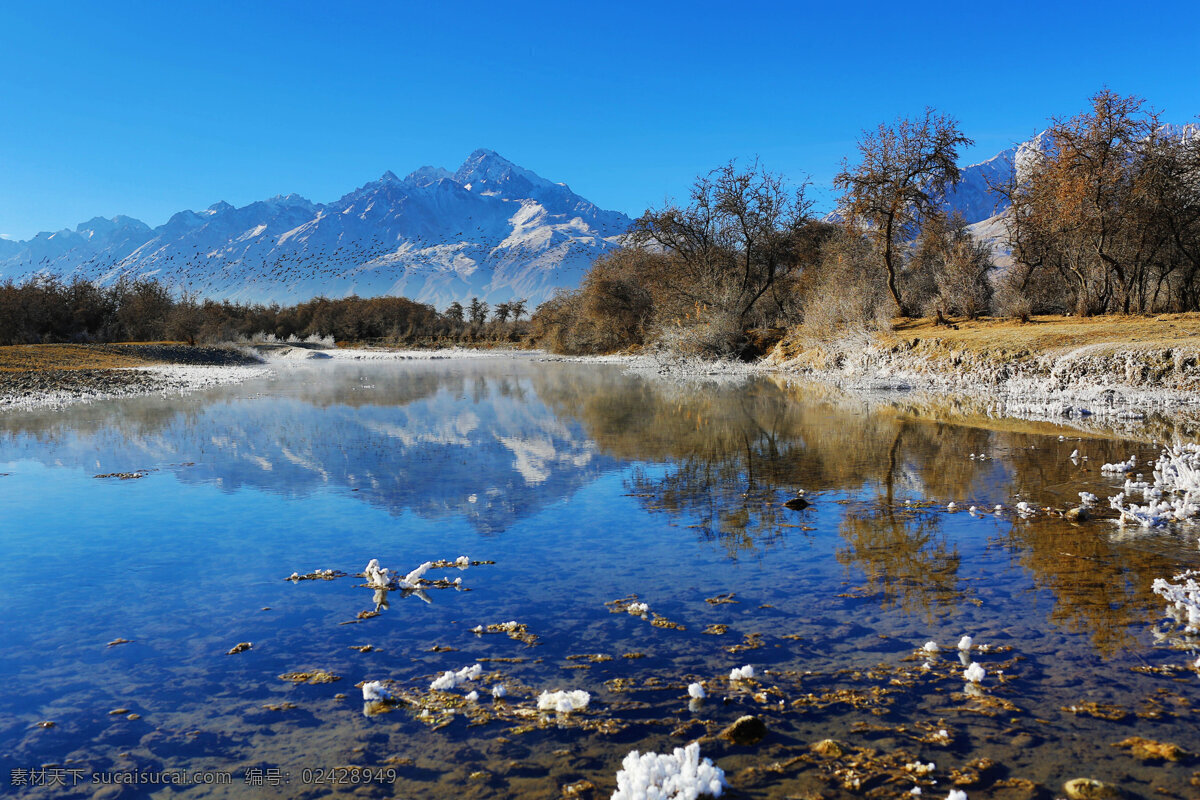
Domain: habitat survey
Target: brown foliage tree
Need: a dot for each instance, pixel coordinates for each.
(1110, 204)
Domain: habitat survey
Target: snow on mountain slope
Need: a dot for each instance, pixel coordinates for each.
(491, 229)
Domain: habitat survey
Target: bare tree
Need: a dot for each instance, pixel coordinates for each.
(902, 175)
(728, 246)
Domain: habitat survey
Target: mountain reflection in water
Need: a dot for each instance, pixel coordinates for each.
(571, 487)
(495, 446)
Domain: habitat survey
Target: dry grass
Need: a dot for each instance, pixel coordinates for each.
(38, 357)
(45, 357)
(1050, 333)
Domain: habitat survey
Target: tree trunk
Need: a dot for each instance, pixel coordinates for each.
(891, 270)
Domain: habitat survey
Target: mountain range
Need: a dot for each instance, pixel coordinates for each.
(490, 229)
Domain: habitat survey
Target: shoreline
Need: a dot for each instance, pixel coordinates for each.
(1110, 376)
(53, 389)
(58, 375)
(41, 377)
(1090, 401)
(1121, 375)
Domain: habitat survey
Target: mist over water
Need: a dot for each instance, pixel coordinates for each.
(584, 485)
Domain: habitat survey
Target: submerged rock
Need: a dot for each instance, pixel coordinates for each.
(828, 748)
(1150, 750)
(582, 789)
(975, 773)
(1089, 789)
(797, 504)
(746, 730)
(318, 676)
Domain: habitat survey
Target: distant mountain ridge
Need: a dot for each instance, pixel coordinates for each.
(971, 196)
(491, 229)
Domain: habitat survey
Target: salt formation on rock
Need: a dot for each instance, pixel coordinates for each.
(682, 775)
(564, 702)
(448, 680)
(1174, 496)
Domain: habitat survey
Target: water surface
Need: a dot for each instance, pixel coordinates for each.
(584, 486)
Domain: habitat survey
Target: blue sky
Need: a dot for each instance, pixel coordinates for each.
(148, 108)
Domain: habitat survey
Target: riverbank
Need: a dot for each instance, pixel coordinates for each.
(1123, 368)
(54, 375)
(1120, 372)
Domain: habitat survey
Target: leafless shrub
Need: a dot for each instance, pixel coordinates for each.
(850, 291)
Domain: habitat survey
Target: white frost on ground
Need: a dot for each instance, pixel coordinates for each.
(377, 577)
(690, 369)
(397, 354)
(673, 368)
(383, 578)
(679, 776)
(744, 673)
(638, 609)
(165, 380)
(413, 579)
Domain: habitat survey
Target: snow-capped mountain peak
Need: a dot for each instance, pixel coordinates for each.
(487, 170)
(492, 229)
(423, 176)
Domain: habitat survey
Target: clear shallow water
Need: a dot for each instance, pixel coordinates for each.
(584, 485)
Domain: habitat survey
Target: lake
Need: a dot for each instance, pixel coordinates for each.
(575, 491)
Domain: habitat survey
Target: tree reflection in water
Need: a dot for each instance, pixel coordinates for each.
(721, 460)
(904, 556)
(497, 442)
